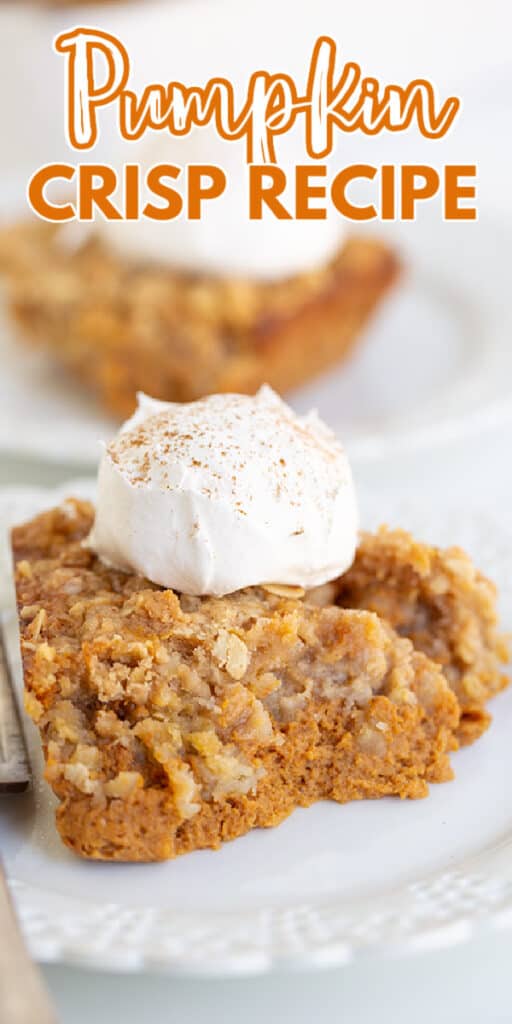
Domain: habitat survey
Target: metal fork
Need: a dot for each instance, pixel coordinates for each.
(23, 997)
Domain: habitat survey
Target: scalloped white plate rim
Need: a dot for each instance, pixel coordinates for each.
(465, 897)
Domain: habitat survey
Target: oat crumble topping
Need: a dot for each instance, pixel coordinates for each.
(170, 723)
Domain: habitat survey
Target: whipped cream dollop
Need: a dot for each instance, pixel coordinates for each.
(224, 241)
(227, 492)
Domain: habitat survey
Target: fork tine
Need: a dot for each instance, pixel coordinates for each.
(15, 773)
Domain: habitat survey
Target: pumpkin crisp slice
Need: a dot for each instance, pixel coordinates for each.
(172, 723)
(443, 604)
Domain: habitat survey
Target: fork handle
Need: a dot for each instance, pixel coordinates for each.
(23, 996)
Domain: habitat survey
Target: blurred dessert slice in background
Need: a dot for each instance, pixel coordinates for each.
(180, 308)
(123, 325)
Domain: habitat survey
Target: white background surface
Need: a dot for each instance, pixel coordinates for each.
(466, 44)
(469, 986)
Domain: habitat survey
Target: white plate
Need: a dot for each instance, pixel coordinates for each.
(328, 885)
(436, 362)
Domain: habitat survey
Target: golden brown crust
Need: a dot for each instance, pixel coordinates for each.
(172, 723)
(444, 605)
(122, 327)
